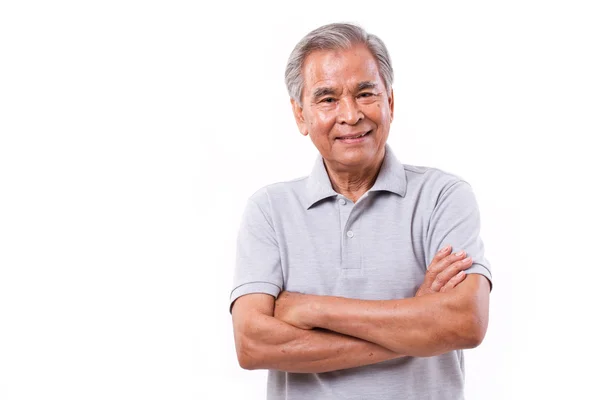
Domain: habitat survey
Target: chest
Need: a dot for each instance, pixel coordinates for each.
(372, 250)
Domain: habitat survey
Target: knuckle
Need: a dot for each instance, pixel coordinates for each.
(434, 269)
(443, 276)
(454, 257)
(457, 266)
(447, 260)
(439, 268)
(447, 273)
(454, 280)
(430, 274)
(450, 284)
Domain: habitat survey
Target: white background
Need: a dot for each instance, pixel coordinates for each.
(132, 133)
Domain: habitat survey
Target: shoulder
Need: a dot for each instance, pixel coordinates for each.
(432, 180)
(279, 194)
(433, 187)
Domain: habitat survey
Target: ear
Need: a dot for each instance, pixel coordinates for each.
(297, 109)
(391, 103)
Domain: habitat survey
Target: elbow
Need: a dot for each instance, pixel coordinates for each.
(465, 330)
(474, 330)
(248, 346)
(462, 336)
(476, 336)
(243, 356)
(250, 329)
(469, 321)
(246, 362)
(243, 347)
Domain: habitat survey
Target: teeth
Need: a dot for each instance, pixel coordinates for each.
(356, 137)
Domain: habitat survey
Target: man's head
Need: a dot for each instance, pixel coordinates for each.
(339, 79)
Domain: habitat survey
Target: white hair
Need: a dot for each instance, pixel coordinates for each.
(334, 37)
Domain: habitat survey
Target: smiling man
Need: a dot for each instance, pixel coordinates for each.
(345, 283)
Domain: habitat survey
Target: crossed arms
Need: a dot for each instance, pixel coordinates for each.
(309, 333)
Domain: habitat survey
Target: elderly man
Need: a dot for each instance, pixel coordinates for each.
(345, 284)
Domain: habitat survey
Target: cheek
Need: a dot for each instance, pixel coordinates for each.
(322, 123)
(376, 114)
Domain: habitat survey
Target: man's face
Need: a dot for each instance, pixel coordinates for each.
(344, 97)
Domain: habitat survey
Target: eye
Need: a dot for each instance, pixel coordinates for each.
(328, 100)
(366, 94)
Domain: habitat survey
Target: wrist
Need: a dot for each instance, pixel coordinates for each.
(315, 311)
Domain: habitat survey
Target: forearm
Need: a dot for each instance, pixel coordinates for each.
(273, 344)
(419, 326)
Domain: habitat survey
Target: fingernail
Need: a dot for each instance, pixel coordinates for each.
(444, 249)
(466, 260)
(460, 253)
(461, 273)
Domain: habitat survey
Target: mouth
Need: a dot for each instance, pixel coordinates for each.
(354, 139)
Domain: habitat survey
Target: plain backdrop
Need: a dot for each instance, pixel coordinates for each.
(133, 132)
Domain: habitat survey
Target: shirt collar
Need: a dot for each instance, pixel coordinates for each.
(391, 178)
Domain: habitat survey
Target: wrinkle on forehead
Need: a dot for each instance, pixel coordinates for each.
(340, 68)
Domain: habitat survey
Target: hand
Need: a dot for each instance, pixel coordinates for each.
(444, 272)
(290, 307)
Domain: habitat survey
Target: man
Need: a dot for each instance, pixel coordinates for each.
(344, 286)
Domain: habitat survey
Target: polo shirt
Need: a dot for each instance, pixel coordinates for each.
(302, 236)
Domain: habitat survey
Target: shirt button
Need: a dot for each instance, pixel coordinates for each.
(342, 201)
(350, 234)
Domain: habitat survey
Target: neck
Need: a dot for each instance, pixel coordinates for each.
(353, 183)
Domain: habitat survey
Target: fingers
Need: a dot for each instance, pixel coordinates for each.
(455, 280)
(445, 271)
(441, 264)
(441, 254)
(449, 272)
(434, 267)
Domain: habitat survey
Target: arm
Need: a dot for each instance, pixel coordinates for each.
(419, 326)
(264, 342)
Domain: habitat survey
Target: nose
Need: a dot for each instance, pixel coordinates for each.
(349, 111)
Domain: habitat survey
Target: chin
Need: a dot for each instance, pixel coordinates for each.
(354, 157)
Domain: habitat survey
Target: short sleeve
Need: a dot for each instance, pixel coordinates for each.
(455, 221)
(258, 262)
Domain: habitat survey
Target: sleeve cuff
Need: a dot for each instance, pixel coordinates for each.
(482, 270)
(253, 287)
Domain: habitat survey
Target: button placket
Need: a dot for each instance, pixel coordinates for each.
(345, 209)
(350, 242)
(352, 248)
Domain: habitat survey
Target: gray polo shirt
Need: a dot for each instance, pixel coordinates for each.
(302, 236)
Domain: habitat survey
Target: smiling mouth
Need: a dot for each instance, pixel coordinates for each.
(355, 137)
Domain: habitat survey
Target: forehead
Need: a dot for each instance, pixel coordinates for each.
(337, 68)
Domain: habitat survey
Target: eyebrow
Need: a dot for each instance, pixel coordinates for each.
(323, 91)
(365, 85)
(327, 91)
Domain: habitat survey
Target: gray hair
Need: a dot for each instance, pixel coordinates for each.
(334, 37)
